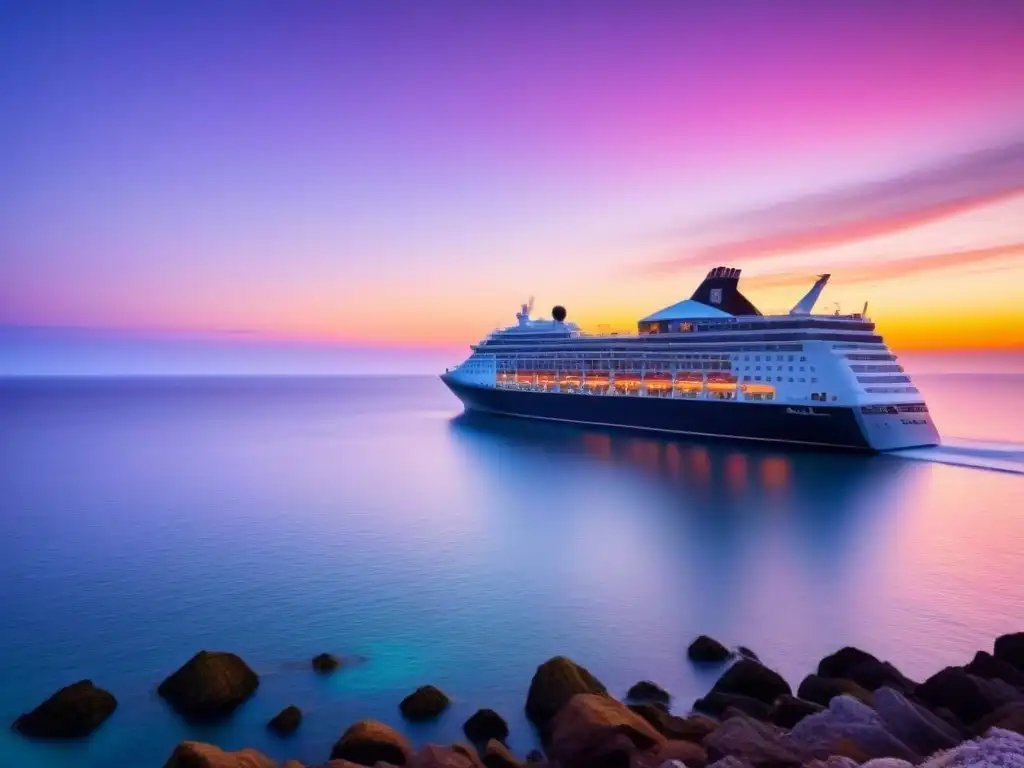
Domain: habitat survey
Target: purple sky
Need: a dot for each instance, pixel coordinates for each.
(405, 173)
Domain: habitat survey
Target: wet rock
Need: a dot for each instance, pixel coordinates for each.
(195, 754)
(716, 704)
(645, 690)
(584, 732)
(72, 712)
(864, 669)
(1009, 717)
(837, 761)
(692, 728)
(484, 725)
(1010, 648)
(497, 755)
(988, 667)
(757, 744)
(209, 686)
(433, 756)
(746, 653)
(914, 725)
(727, 762)
(886, 762)
(969, 698)
(821, 690)
(368, 742)
(534, 756)
(554, 683)
(325, 663)
(425, 703)
(748, 678)
(707, 649)
(469, 751)
(689, 753)
(787, 711)
(285, 722)
(845, 724)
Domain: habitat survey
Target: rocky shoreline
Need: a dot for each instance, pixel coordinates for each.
(853, 710)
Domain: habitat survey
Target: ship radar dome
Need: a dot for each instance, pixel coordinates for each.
(558, 312)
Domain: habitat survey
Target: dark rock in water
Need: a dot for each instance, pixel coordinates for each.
(433, 756)
(1010, 648)
(195, 754)
(716, 704)
(864, 669)
(584, 732)
(821, 690)
(325, 663)
(787, 711)
(989, 667)
(850, 723)
(692, 728)
(368, 742)
(71, 713)
(210, 685)
(285, 722)
(645, 690)
(468, 751)
(760, 745)
(746, 653)
(424, 703)
(748, 678)
(555, 682)
(484, 725)
(706, 648)
(497, 755)
(534, 756)
(1009, 717)
(921, 730)
(969, 698)
(687, 753)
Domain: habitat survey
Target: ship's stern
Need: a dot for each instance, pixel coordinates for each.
(892, 427)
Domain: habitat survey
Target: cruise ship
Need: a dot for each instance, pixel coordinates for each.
(709, 366)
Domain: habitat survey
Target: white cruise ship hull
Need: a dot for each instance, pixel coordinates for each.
(878, 428)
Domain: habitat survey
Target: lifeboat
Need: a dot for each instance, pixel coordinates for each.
(658, 382)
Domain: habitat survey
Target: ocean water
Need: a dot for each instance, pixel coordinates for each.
(144, 519)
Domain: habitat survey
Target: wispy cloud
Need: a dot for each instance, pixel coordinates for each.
(858, 212)
(894, 268)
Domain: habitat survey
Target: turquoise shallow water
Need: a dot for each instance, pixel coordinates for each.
(142, 520)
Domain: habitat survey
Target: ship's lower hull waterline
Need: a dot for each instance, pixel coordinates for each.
(821, 426)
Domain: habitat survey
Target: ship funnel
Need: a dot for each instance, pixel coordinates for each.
(806, 304)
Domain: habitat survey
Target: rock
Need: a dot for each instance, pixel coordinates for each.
(424, 703)
(484, 725)
(497, 755)
(692, 728)
(999, 749)
(195, 754)
(746, 653)
(583, 733)
(787, 711)
(469, 751)
(864, 669)
(71, 713)
(325, 662)
(848, 723)
(821, 690)
(988, 667)
(689, 753)
(748, 678)
(1010, 648)
(645, 690)
(433, 756)
(887, 762)
(554, 683)
(1009, 717)
(759, 745)
(707, 649)
(837, 761)
(730, 762)
(286, 721)
(716, 704)
(914, 725)
(969, 698)
(210, 685)
(534, 756)
(368, 742)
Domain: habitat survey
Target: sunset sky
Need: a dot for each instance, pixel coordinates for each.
(397, 177)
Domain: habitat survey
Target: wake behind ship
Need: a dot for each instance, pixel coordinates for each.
(710, 366)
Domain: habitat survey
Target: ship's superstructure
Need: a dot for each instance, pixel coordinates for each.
(711, 365)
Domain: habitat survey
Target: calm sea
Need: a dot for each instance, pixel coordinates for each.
(142, 520)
